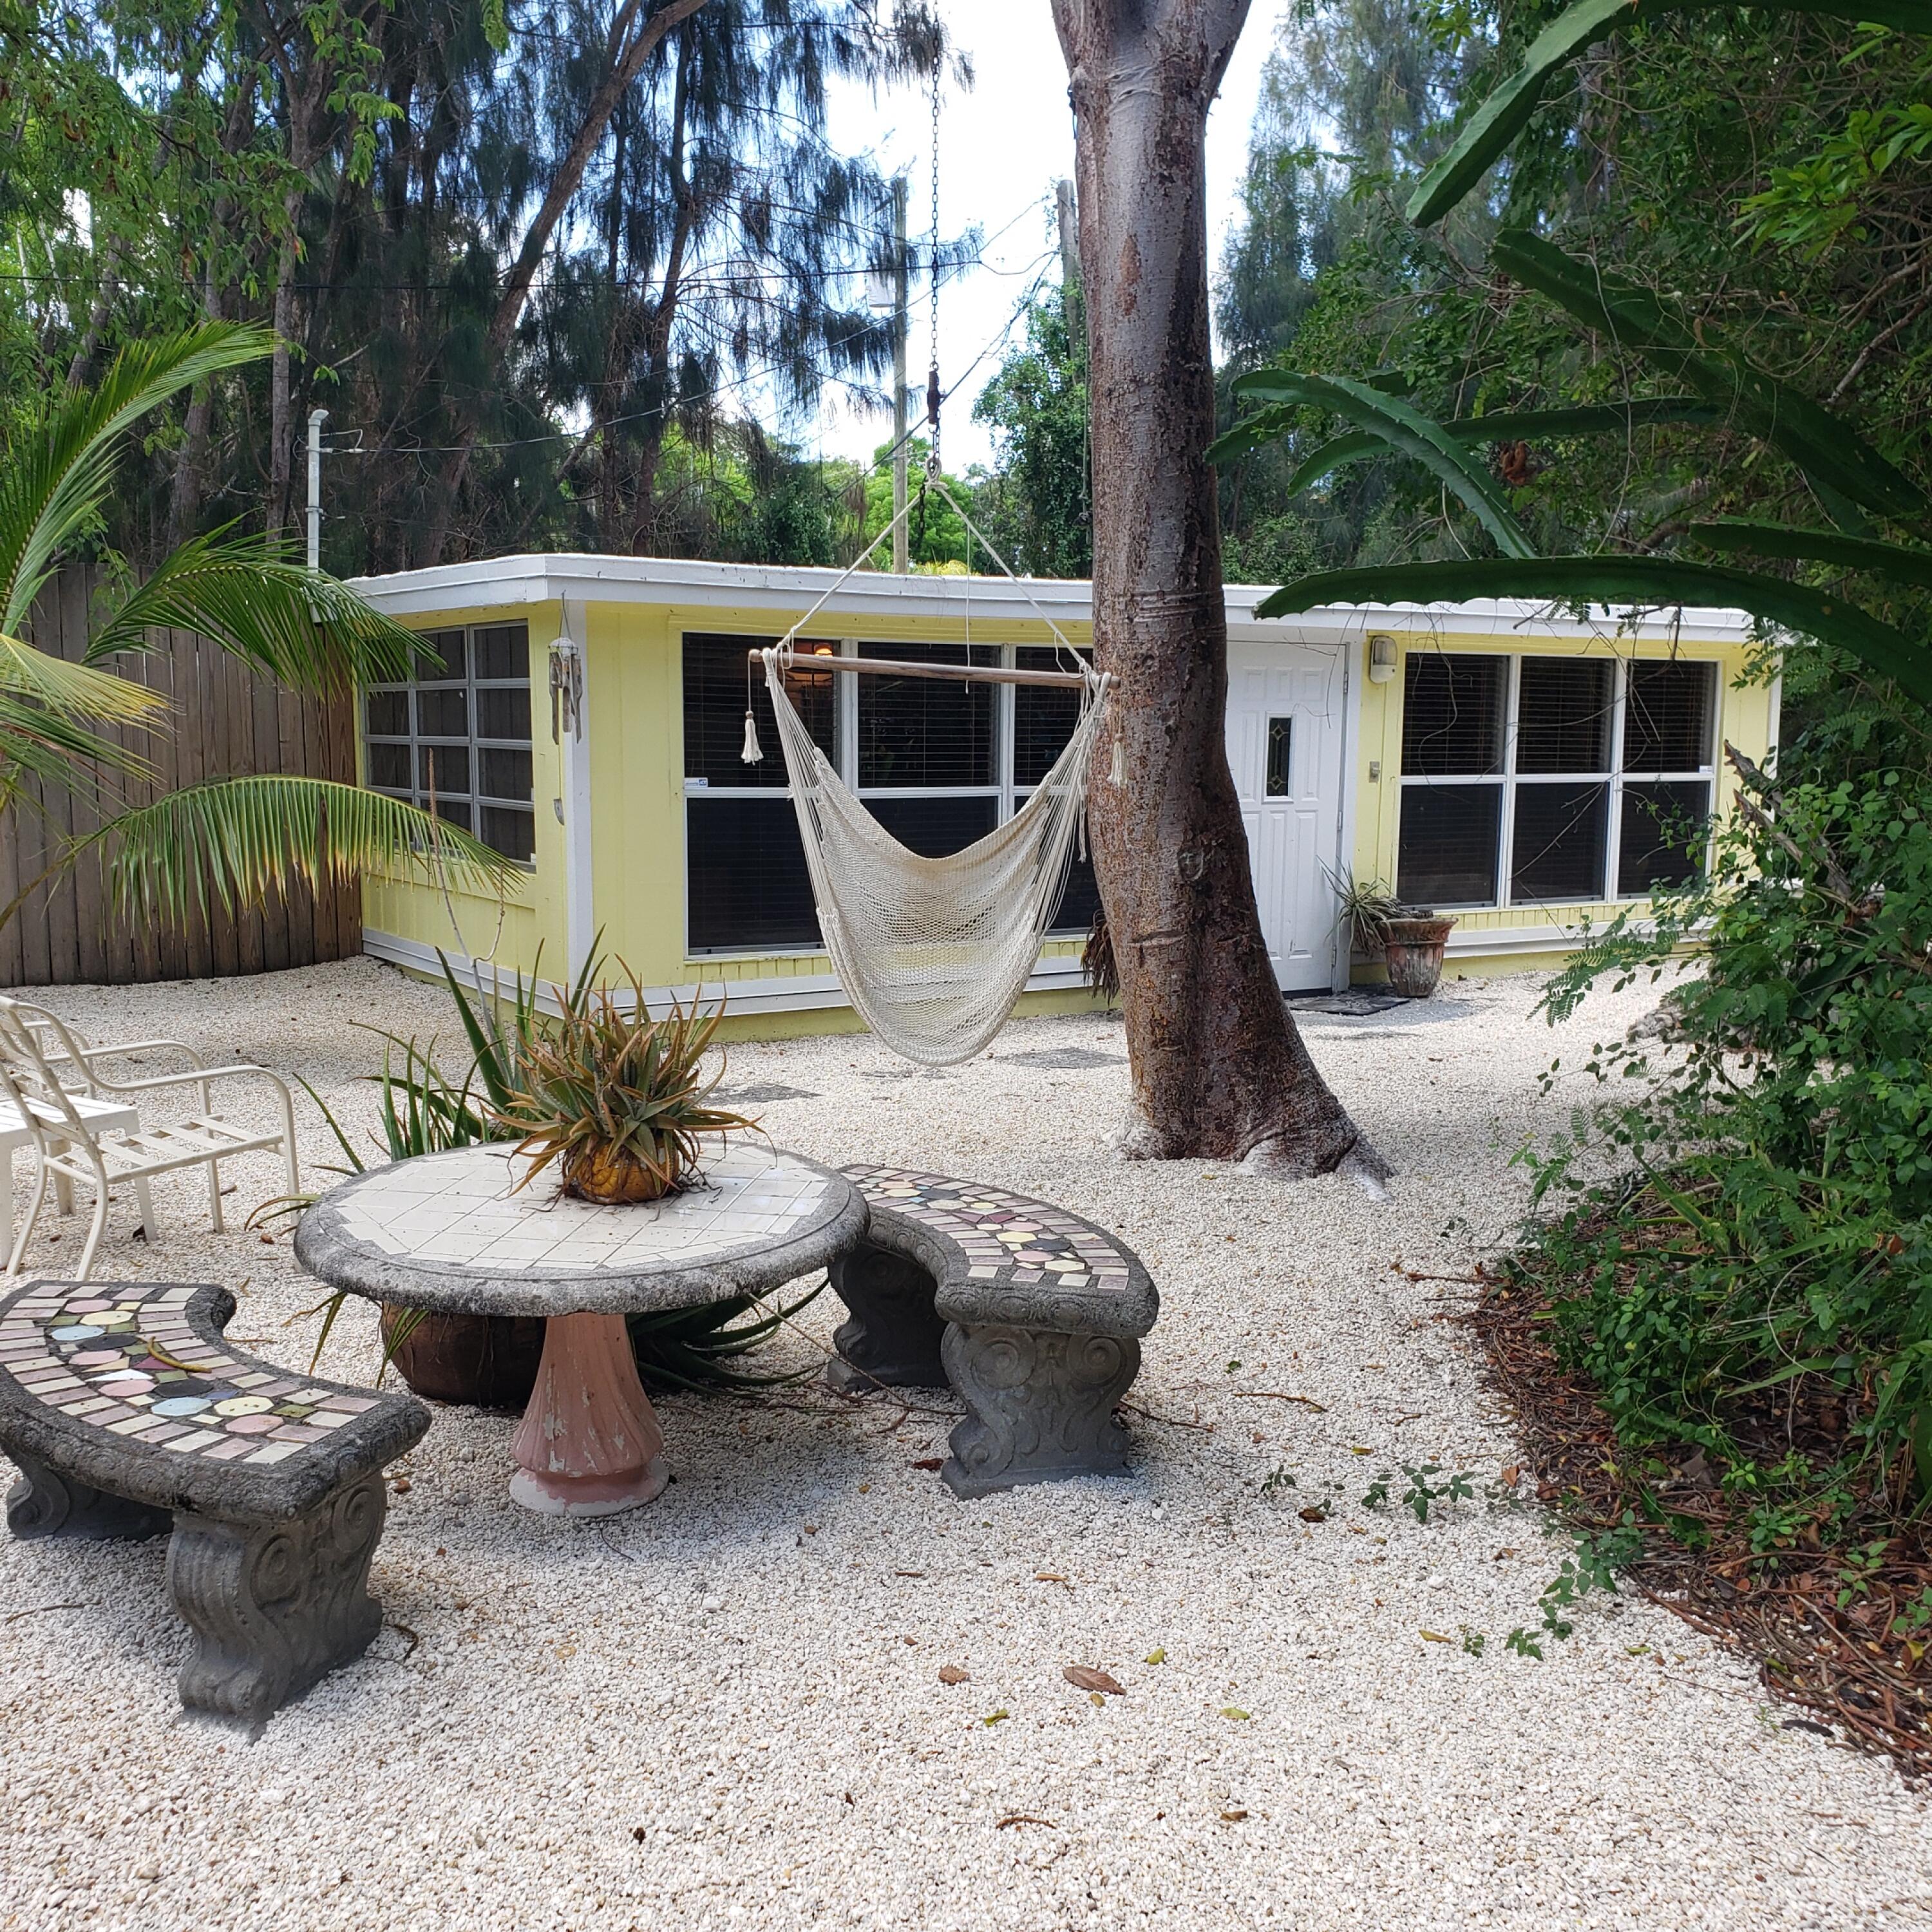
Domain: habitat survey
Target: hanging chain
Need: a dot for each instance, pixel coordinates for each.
(932, 271)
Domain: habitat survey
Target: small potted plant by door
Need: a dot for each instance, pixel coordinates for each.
(1411, 938)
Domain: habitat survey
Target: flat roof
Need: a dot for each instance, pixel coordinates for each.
(790, 590)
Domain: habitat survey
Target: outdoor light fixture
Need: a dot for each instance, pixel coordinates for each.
(1381, 658)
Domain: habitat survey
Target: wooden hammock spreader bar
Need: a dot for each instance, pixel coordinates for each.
(1068, 680)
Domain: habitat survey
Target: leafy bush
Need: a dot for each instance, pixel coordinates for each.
(1766, 1250)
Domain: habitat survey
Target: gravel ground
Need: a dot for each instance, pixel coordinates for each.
(726, 1710)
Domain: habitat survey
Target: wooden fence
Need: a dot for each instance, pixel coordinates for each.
(226, 723)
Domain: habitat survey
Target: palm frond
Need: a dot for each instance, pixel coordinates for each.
(299, 626)
(57, 474)
(241, 837)
(72, 690)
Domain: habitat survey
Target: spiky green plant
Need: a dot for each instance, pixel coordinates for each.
(619, 1099)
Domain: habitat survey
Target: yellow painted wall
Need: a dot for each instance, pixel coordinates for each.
(1743, 718)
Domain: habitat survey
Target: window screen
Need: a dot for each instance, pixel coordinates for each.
(934, 827)
(1665, 829)
(456, 740)
(920, 731)
(1559, 842)
(1667, 716)
(746, 877)
(1564, 707)
(714, 692)
(1043, 716)
(1452, 719)
(1448, 852)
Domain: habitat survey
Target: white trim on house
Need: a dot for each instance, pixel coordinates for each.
(801, 992)
(492, 582)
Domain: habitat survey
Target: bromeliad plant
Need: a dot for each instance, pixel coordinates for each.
(619, 1100)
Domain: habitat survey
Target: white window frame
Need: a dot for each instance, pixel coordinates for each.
(1008, 798)
(1508, 780)
(475, 743)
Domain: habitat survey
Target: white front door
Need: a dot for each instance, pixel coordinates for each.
(1286, 732)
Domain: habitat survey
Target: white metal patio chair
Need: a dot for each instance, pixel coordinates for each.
(69, 1147)
(100, 1113)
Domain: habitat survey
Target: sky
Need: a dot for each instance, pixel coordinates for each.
(1002, 147)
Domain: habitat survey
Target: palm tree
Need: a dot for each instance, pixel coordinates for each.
(240, 837)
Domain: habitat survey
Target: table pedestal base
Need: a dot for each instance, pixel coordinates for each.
(589, 1444)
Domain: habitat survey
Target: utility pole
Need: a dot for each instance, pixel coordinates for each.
(317, 418)
(901, 555)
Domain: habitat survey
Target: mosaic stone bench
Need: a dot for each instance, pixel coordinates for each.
(1032, 1315)
(127, 1415)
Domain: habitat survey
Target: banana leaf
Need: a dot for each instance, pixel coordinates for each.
(1406, 431)
(1624, 580)
(1503, 116)
(1881, 559)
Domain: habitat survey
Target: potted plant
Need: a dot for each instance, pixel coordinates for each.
(1411, 938)
(616, 1099)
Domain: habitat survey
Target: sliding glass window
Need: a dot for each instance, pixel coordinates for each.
(1553, 781)
(938, 763)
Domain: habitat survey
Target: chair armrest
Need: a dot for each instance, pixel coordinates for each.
(197, 1076)
(91, 1054)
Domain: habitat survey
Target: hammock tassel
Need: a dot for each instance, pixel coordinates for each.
(1117, 770)
(752, 754)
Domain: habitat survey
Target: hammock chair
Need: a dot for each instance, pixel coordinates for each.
(933, 953)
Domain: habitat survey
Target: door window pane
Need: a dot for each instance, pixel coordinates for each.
(503, 650)
(445, 660)
(1561, 837)
(716, 690)
(389, 767)
(1280, 742)
(442, 713)
(1563, 715)
(1452, 719)
(504, 713)
(1448, 844)
(1663, 836)
(746, 883)
(1668, 715)
(924, 731)
(503, 774)
(388, 714)
(443, 769)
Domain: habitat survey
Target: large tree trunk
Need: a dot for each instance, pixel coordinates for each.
(1220, 1072)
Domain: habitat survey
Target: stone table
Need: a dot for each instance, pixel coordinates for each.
(454, 1232)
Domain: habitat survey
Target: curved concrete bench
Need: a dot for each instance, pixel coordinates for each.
(1032, 1315)
(128, 1416)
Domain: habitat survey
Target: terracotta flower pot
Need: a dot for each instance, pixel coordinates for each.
(610, 1177)
(487, 1361)
(1413, 949)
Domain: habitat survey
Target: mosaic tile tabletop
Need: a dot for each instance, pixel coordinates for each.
(122, 1357)
(1005, 1237)
(758, 1217)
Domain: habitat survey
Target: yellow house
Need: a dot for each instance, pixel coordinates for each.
(1526, 770)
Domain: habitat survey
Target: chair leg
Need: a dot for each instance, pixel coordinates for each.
(63, 1187)
(151, 1223)
(214, 1195)
(94, 1232)
(18, 1252)
(6, 1196)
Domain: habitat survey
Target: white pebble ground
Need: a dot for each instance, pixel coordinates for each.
(725, 1710)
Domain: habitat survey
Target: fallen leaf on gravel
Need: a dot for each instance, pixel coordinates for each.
(1047, 1576)
(999, 1717)
(1435, 1636)
(1022, 1818)
(1099, 1702)
(402, 1486)
(1510, 1474)
(1230, 1710)
(639, 1833)
(1157, 1656)
(865, 1488)
(1313, 1513)
(1084, 1678)
(1232, 1817)
(951, 1673)
(930, 1463)
(1356, 1449)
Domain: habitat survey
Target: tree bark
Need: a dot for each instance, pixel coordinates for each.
(1220, 1072)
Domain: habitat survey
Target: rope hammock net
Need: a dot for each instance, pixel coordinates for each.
(933, 953)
